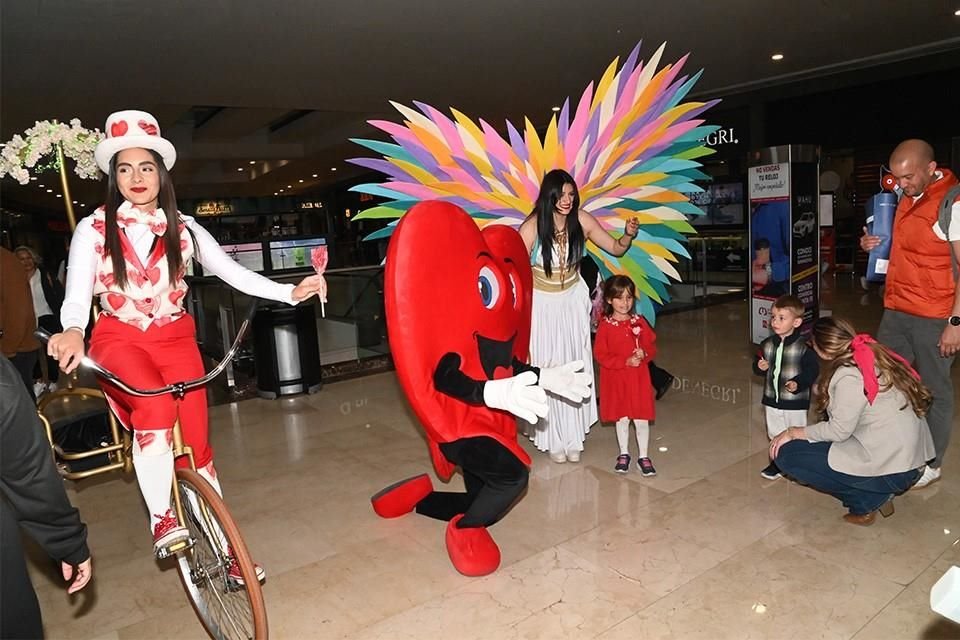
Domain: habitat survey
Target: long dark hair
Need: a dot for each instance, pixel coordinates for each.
(551, 189)
(833, 337)
(167, 202)
(613, 288)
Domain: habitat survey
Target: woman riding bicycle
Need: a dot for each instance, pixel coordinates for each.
(132, 253)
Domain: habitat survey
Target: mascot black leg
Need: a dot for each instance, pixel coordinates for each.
(494, 478)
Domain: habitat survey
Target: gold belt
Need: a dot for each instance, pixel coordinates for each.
(553, 284)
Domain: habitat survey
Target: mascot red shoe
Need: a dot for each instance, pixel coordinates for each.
(458, 304)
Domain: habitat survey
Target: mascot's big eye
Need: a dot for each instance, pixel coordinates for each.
(489, 287)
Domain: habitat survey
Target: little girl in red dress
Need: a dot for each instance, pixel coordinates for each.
(624, 346)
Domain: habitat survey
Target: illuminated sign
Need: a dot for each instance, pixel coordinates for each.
(209, 208)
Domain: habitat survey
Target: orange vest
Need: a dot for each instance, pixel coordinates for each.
(920, 274)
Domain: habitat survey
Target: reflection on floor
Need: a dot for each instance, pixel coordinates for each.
(706, 549)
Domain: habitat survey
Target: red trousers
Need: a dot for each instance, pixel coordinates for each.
(148, 360)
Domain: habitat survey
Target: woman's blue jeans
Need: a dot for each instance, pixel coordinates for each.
(806, 462)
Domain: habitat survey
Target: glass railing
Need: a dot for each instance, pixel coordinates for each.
(718, 269)
(352, 329)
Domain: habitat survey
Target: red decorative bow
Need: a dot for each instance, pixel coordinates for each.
(863, 356)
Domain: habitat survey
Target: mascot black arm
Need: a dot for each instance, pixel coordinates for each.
(449, 379)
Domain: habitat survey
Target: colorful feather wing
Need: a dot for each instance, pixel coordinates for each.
(630, 142)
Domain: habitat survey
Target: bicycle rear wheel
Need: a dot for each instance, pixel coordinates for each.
(227, 610)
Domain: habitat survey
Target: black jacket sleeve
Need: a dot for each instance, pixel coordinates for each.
(756, 360)
(29, 482)
(809, 370)
(521, 367)
(449, 379)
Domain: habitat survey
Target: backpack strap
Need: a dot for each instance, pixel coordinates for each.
(943, 219)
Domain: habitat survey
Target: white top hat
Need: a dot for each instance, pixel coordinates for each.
(132, 129)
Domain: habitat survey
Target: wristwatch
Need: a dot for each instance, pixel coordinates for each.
(954, 320)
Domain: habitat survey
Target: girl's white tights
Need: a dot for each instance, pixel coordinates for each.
(643, 436)
(153, 464)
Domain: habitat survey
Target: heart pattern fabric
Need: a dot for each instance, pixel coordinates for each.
(148, 297)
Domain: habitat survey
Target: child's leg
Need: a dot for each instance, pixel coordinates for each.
(623, 435)
(643, 437)
(153, 464)
(209, 473)
(795, 417)
(776, 422)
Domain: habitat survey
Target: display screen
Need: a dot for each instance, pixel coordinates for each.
(249, 255)
(722, 205)
(293, 254)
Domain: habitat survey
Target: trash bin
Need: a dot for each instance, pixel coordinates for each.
(286, 350)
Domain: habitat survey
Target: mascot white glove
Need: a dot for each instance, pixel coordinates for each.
(519, 395)
(567, 381)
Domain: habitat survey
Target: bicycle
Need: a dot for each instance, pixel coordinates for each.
(226, 608)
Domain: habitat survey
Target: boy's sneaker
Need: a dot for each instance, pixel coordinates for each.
(771, 472)
(623, 463)
(646, 467)
(929, 476)
(237, 576)
(168, 531)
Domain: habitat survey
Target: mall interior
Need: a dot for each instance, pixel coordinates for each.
(264, 103)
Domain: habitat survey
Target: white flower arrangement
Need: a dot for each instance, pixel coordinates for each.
(39, 142)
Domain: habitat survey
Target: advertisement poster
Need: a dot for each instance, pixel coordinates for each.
(770, 238)
(805, 232)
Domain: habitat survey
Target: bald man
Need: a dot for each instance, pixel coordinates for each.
(921, 317)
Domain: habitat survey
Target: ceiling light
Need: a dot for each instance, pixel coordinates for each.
(74, 202)
(314, 175)
(83, 204)
(281, 190)
(59, 196)
(289, 186)
(301, 180)
(239, 168)
(554, 109)
(33, 177)
(777, 57)
(333, 168)
(275, 193)
(49, 190)
(957, 12)
(253, 162)
(41, 186)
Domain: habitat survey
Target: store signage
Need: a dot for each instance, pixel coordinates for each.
(210, 208)
(721, 136)
(311, 205)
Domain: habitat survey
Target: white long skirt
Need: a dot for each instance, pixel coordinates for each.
(560, 333)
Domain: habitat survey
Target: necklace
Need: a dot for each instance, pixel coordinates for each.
(560, 243)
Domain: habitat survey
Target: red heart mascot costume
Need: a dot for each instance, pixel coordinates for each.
(462, 366)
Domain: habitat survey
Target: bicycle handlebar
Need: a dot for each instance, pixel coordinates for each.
(177, 387)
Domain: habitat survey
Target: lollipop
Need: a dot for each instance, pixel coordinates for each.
(319, 258)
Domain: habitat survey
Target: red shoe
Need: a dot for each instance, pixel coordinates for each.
(472, 551)
(402, 497)
(237, 576)
(168, 531)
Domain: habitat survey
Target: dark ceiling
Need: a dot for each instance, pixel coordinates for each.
(261, 95)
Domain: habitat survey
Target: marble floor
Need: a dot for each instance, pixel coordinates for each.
(706, 549)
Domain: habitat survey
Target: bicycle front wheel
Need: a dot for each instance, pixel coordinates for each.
(227, 609)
